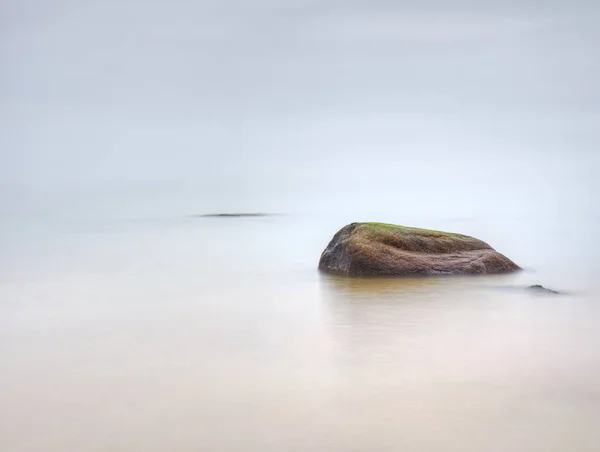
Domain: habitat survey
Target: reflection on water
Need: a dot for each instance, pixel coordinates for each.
(369, 287)
(461, 366)
(215, 336)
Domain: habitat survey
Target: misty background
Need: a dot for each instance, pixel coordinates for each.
(300, 105)
(127, 322)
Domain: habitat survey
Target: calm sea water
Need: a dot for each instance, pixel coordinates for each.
(145, 329)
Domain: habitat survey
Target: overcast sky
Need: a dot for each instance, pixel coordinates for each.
(176, 90)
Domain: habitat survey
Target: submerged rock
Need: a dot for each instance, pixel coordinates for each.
(379, 249)
(541, 289)
(235, 215)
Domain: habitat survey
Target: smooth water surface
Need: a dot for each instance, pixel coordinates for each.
(218, 334)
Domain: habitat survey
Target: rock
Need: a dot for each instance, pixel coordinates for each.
(541, 289)
(379, 249)
(235, 215)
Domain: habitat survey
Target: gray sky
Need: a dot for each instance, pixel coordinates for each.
(296, 90)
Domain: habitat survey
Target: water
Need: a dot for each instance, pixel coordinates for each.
(128, 325)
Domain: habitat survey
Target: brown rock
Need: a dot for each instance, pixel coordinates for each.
(379, 249)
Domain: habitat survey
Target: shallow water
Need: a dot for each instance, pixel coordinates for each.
(188, 334)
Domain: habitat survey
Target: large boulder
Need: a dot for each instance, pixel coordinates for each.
(378, 249)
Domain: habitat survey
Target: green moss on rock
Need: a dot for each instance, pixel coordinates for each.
(383, 249)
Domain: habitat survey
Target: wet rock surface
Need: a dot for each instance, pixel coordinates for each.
(379, 249)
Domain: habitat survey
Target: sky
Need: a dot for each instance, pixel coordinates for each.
(299, 91)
